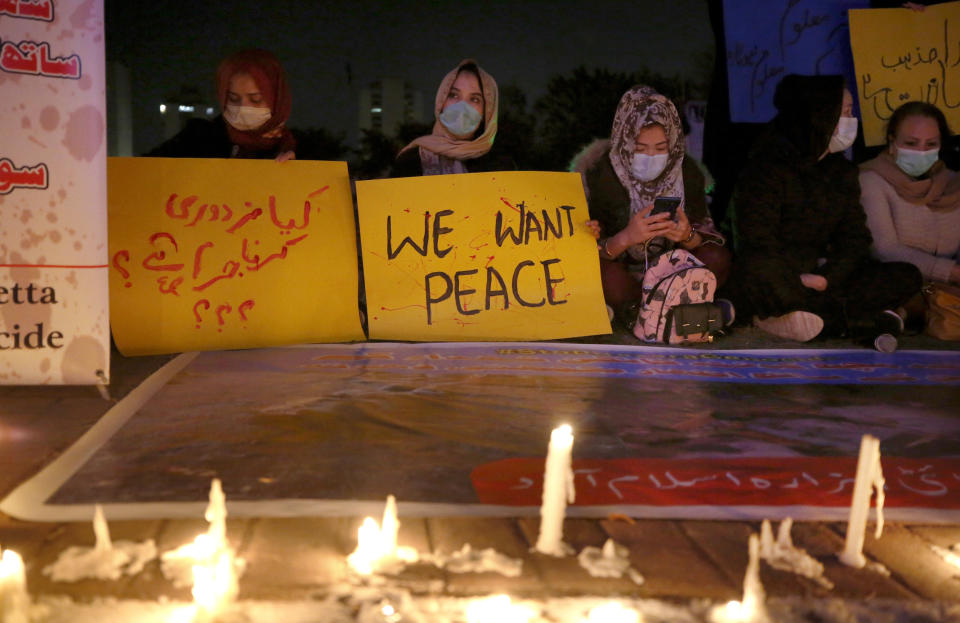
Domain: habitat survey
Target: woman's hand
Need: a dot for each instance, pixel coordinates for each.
(286, 155)
(643, 227)
(680, 230)
(594, 227)
(814, 282)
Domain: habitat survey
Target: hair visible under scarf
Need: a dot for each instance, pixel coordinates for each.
(641, 107)
(441, 151)
(267, 72)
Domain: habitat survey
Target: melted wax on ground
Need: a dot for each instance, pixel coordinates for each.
(610, 561)
(105, 560)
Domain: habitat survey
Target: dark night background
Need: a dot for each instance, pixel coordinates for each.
(333, 49)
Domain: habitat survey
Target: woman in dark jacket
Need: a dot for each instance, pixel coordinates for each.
(464, 129)
(804, 266)
(253, 95)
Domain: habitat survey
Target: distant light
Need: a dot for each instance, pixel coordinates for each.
(184, 108)
(376, 109)
(163, 108)
(210, 111)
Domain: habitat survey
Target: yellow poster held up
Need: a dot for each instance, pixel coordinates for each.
(901, 55)
(480, 256)
(210, 254)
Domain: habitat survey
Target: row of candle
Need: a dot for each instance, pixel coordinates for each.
(214, 568)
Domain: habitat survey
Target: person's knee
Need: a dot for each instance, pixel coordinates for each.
(619, 286)
(718, 259)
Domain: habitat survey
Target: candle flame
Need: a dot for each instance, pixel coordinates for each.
(498, 609)
(11, 565)
(562, 433)
(369, 550)
(377, 547)
(214, 576)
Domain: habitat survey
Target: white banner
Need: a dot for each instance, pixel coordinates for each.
(54, 322)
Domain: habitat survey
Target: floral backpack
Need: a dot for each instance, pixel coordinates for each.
(677, 304)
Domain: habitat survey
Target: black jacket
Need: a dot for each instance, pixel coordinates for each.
(207, 138)
(793, 205)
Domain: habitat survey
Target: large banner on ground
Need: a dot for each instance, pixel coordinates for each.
(210, 254)
(903, 55)
(480, 256)
(767, 40)
(463, 429)
(54, 326)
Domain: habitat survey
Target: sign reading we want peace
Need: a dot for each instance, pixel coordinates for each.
(479, 256)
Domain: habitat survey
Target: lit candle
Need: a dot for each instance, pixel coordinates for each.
(377, 548)
(558, 491)
(215, 583)
(101, 531)
(14, 600)
(752, 607)
(869, 477)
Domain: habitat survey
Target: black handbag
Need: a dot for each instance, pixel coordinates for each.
(694, 322)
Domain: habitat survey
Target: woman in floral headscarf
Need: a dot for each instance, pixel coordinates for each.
(255, 102)
(464, 128)
(645, 159)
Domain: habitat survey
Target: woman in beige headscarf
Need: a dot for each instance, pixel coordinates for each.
(465, 125)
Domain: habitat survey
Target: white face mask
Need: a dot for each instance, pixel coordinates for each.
(914, 162)
(246, 117)
(844, 136)
(461, 119)
(646, 168)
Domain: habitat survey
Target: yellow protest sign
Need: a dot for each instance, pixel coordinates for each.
(211, 254)
(479, 256)
(902, 55)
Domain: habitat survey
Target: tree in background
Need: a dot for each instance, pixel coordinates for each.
(320, 144)
(375, 155)
(516, 132)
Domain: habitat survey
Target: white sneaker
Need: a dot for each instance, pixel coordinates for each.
(800, 326)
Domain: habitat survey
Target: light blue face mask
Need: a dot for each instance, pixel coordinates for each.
(915, 163)
(646, 168)
(461, 119)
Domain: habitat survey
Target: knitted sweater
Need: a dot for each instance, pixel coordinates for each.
(906, 232)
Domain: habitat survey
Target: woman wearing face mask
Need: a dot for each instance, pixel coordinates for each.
(464, 128)
(911, 199)
(804, 267)
(253, 95)
(644, 159)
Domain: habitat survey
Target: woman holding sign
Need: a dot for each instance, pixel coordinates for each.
(255, 100)
(644, 160)
(463, 131)
(804, 268)
(911, 198)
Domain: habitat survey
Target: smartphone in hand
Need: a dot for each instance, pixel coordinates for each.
(666, 204)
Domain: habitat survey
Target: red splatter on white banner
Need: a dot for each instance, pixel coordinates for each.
(54, 314)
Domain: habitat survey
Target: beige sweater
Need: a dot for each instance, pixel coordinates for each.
(904, 232)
